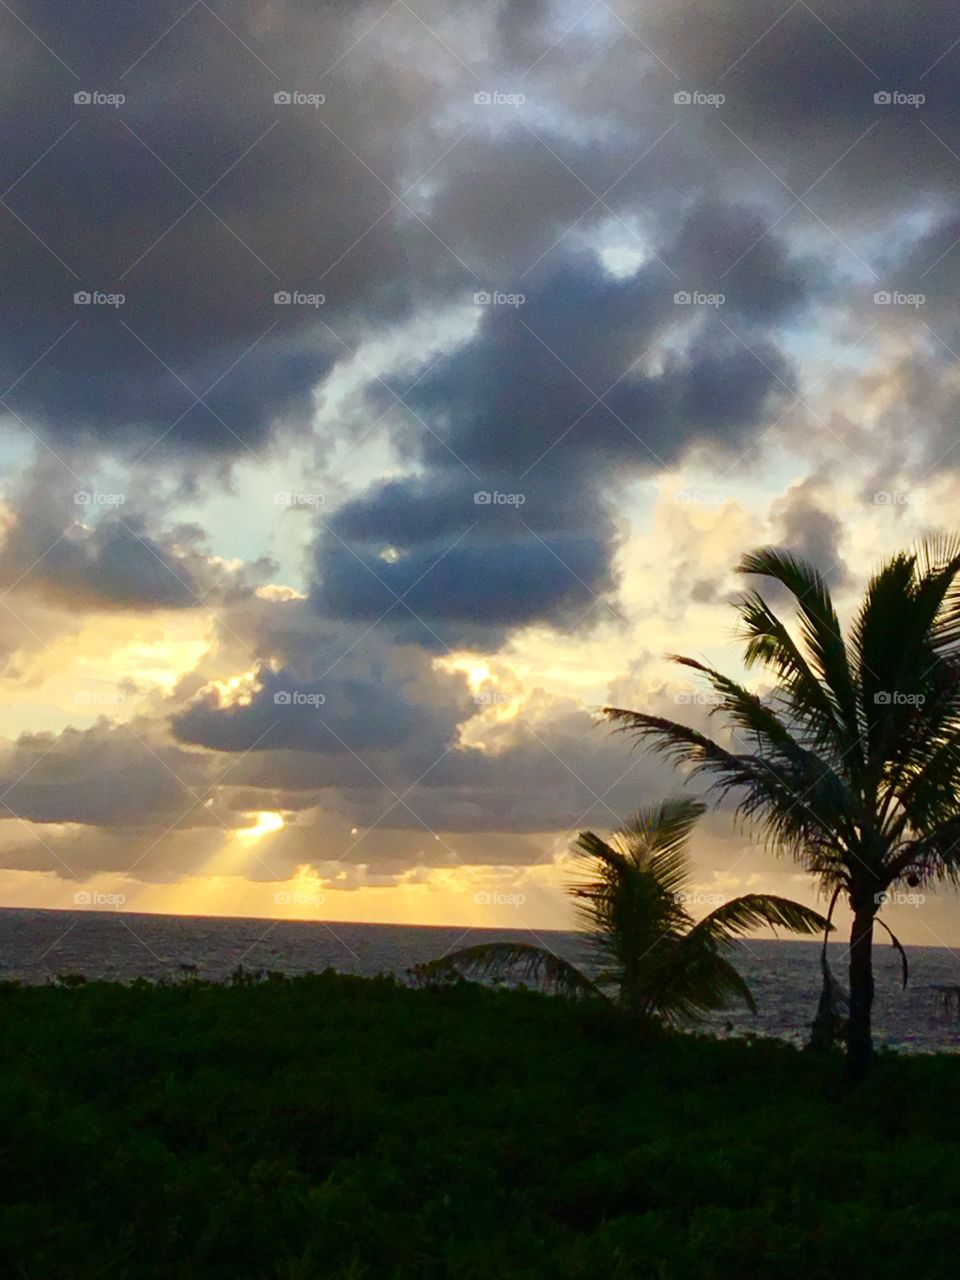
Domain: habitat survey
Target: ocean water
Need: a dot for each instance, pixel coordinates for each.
(36, 946)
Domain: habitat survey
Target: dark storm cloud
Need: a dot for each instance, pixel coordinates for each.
(800, 82)
(322, 690)
(506, 199)
(387, 737)
(454, 559)
(557, 770)
(914, 439)
(536, 772)
(198, 357)
(724, 248)
(291, 202)
(588, 380)
(578, 369)
(923, 283)
(512, 585)
(342, 714)
(149, 853)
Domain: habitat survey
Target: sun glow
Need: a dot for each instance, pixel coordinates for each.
(475, 669)
(267, 823)
(238, 690)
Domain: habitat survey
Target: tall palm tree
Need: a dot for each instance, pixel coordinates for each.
(852, 763)
(656, 962)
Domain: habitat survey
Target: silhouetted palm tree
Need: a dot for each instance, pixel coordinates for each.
(657, 962)
(852, 764)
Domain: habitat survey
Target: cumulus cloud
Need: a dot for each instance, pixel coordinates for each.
(106, 776)
(380, 737)
(806, 525)
(343, 713)
(556, 400)
(86, 549)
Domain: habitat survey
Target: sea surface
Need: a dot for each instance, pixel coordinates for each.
(37, 946)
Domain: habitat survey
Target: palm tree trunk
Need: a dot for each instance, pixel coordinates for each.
(859, 1038)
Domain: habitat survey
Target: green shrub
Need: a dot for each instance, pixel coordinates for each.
(330, 1126)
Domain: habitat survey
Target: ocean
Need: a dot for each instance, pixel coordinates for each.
(36, 946)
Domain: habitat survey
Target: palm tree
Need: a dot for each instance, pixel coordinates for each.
(657, 963)
(852, 764)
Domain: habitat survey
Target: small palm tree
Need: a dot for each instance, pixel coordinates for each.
(656, 962)
(852, 764)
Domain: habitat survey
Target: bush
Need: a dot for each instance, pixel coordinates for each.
(329, 1126)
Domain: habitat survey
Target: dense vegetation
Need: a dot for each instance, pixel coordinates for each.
(340, 1127)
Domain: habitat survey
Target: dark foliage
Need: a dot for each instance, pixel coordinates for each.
(334, 1128)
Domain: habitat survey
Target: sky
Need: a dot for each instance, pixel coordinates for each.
(386, 387)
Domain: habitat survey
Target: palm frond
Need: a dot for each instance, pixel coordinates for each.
(663, 828)
(745, 710)
(798, 804)
(769, 642)
(777, 746)
(752, 911)
(832, 1008)
(924, 793)
(904, 963)
(697, 980)
(590, 846)
(496, 961)
(820, 630)
(629, 906)
(654, 839)
(939, 555)
(935, 852)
